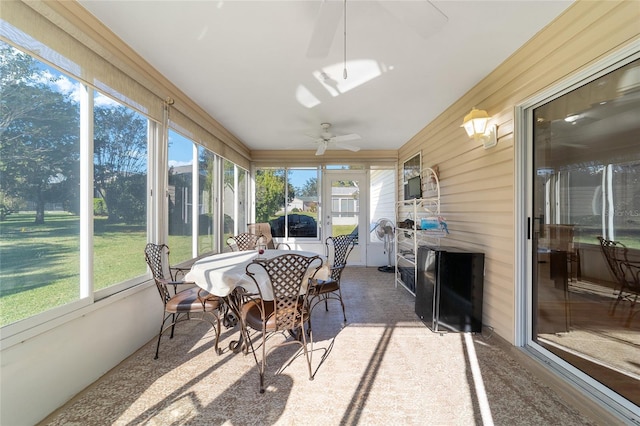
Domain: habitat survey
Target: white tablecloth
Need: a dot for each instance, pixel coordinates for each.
(220, 273)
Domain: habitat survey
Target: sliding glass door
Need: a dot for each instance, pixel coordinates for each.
(585, 180)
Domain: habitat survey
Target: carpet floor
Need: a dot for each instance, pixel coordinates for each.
(383, 367)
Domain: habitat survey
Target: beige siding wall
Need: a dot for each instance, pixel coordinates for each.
(477, 185)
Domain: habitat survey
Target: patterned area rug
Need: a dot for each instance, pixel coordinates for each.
(384, 367)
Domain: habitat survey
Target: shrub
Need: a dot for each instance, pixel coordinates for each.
(99, 207)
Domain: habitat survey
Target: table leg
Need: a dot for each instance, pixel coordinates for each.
(232, 318)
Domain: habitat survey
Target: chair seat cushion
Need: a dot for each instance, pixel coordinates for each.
(192, 300)
(253, 318)
(324, 286)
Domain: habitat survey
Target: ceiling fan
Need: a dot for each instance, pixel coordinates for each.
(423, 17)
(326, 138)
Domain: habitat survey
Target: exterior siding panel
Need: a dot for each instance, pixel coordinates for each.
(478, 186)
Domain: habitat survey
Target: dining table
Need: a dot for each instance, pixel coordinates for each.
(219, 274)
(222, 274)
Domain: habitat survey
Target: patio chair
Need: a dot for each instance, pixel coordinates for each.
(337, 250)
(625, 272)
(287, 312)
(243, 241)
(264, 229)
(182, 300)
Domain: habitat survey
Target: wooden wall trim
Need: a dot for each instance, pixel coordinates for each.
(330, 156)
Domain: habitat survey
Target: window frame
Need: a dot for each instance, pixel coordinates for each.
(155, 176)
(293, 167)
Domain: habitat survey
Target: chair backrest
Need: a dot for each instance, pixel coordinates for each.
(615, 254)
(286, 274)
(157, 257)
(338, 249)
(263, 229)
(243, 242)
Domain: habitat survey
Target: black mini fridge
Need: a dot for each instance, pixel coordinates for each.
(449, 289)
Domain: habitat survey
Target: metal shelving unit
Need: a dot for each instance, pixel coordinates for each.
(418, 222)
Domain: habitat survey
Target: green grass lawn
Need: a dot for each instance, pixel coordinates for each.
(40, 263)
(342, 229)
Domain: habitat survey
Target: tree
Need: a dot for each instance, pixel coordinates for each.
(270, 193)
(120, 159)
(343, 183)
(39, 134)
(310, 188)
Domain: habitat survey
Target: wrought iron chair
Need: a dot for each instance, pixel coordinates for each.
(337, 250)
(625, 272)
(243, 241)
(179, 305)
(284, 311)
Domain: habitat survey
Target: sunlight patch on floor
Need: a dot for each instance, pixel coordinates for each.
(483, 402)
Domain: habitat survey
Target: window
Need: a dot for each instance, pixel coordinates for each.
(234, 199)
(242, 189)
(183, 154)
(39, 195)
(79, 192)
(288, 199)
(44, 167)
(180, 197)
(206, 202)
(120, 192)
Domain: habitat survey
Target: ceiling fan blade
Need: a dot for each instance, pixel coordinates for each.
(347, 146)
(421, 16)
(322, 147)
(324, 29)
(345, 138)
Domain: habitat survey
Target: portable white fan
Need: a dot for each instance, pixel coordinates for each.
(384, 231)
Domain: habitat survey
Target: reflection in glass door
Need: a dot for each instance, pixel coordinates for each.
(342, 213)
(586, 185)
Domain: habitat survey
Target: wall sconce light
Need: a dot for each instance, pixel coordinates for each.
(475, 124)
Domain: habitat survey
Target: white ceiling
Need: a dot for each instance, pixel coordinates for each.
(246, 62)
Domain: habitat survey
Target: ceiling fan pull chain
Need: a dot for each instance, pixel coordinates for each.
(344, 73)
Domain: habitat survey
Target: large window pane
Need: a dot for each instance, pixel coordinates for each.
(243, 196)
(345, 201)
(234, 199)
(39, 187)
(206, 199)
(288, 200)
(120, 203)
(270, 199)
(229, 201)
(302, 210)
(587, 185)
(181, 153)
